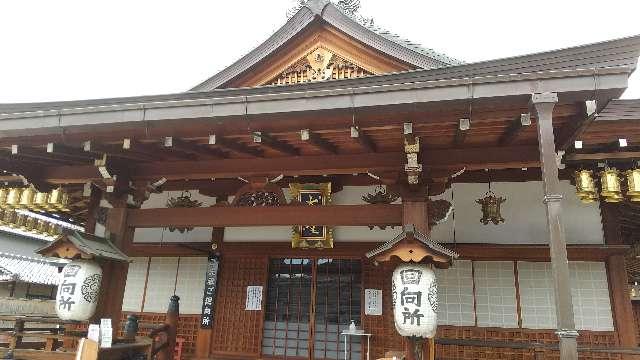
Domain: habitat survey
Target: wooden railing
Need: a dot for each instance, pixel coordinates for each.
(538, 349)
(49, 340)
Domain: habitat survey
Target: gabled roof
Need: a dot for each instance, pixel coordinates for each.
(28, 269)
(434, 251)
(90, 245)
(618, 53)
(324, 10)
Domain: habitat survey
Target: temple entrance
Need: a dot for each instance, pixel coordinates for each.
(309, 302)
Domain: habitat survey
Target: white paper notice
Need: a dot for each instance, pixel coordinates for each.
(373, 302)
(254, 298)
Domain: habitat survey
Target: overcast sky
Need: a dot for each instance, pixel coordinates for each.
(65, 50)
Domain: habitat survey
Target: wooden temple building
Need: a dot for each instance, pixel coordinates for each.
(255, 195)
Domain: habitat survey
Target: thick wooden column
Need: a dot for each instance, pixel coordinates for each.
(204, 339)
(114, 274)
(618, 280)
(543, 105)
(415, 212)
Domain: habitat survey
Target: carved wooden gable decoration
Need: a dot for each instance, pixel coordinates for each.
(320, 64)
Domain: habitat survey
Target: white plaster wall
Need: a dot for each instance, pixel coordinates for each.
(524, 213)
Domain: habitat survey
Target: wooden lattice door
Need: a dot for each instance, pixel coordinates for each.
(309, 302)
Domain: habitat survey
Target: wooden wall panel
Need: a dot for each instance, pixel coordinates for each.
(384, 335)
(234, 329)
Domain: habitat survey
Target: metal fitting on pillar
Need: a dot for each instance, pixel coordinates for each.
(567, 334)
(552, 198)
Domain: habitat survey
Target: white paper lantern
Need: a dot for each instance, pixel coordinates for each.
(415, 300)
(78, 290)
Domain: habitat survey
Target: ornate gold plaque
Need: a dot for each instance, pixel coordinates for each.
(312, 236)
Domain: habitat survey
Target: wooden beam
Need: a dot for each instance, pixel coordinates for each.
(237, 147)
(115, 151)
(514, 129)
(18, 151)
(191, 148)
(364, 140)
(572, 131)
(320, 143)
(272, 143)
(618, 155)
(460, 137)
(222, 216)
(152, 150)
(471, 158)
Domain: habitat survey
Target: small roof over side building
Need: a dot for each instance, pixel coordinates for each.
(29, 270)
(75, 244)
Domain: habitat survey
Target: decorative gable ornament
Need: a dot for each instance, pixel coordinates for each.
(415, 300)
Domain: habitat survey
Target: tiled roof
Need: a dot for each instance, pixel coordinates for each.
(27, 269)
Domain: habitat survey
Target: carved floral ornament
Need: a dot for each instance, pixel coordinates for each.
(320, 64)
(182, 201)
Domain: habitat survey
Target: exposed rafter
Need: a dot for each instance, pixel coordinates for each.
(152, 150)
(514, 129)
(318, 142)
(579, 123)
(115, 151)
(22, 152)
(363, 139)
(235, 146)
(192, 148)
(272, 143)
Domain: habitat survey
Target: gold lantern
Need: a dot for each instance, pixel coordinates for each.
(585, 187)
(13, 198)
(4, 192)
(8, 217)
(610, 182)
(41, 227)
(19, 221)
(54, 230)
(41, 201)
(2, 211)
(491, 208)
(26, 198)
(58, 200)
(633, 184)
(29, 224)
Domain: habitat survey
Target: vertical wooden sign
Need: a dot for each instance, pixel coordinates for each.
(210, 285)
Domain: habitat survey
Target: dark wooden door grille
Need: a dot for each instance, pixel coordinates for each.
(309, 302)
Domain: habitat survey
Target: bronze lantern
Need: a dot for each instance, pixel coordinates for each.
(4, 192)
(13, 198)
(633, 184)
(19, 221)
(585, 186)
(41, 201)
(491, 208)
(610, 182)
(26, 198)
(8, 217)
(58, 200)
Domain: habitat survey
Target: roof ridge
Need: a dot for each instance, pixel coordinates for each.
(398, 39)
(32, 259)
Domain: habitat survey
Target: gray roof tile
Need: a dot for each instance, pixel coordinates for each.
(28, 269)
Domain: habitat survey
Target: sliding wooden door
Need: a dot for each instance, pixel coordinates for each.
(309, 302)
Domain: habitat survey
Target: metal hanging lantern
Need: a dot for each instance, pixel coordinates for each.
(182, 201)
(13, 198)
(585, 186)
(41, 201)
(4, 192)
(58, 200)
(633, 184)
(26, 198)
(9, 217)
(491, 204)
(610, 182)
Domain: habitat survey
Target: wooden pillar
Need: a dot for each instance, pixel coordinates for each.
(203, 341)
(543, 105)
(114, 274)
(92, 209)
(415, 212)
(618, 282)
